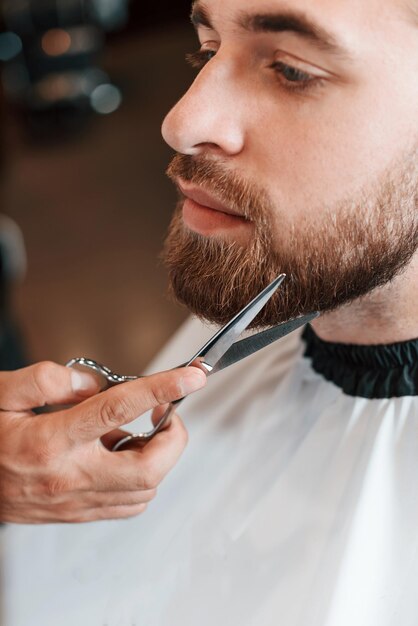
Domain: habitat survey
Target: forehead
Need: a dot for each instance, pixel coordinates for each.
(317, 7)
(350, 20)
(376, 32)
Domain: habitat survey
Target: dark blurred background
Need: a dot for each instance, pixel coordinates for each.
(85, 86)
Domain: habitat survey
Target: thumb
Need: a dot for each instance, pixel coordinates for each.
(124, 403)
(43, 384)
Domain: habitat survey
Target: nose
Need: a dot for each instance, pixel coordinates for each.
(207, 117)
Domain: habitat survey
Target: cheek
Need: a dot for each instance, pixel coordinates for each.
(322, 151)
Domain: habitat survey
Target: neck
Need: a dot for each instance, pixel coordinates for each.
(387, 315)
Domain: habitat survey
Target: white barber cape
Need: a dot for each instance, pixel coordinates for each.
(295, 504)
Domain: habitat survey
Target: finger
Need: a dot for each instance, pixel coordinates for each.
(111, 439)
(85, 500)
(164, 450)
(90, 515)
(122, 404)
(107, 513)
(90, 499)
(44, 383)
(142, 468)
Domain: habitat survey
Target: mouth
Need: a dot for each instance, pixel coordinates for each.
(205, 199)
(205, 214)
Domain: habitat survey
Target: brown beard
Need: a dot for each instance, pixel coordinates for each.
(350, 250)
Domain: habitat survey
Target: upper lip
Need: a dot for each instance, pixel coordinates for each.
(205, 198)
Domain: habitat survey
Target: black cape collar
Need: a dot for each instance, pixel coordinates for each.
(380, 371)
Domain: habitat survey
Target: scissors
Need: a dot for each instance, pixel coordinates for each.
(221, 351)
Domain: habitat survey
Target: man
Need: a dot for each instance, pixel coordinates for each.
(296, 501)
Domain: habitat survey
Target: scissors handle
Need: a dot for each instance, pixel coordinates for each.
(105, 375)
(144, 437)
(110, 379)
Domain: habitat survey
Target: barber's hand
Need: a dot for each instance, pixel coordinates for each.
(53, 466)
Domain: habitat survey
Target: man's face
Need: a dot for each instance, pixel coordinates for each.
(303, 121)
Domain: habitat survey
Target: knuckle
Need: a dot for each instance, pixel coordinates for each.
(141, 508)
(55, 486)
(163, 388)
(152, 394)
(113, 410)
(150, 478)
(133, 511)
(148, 495)
(152, 494)
(117, 512)
(44, 375)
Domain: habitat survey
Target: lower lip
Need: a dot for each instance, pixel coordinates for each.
(206, 221)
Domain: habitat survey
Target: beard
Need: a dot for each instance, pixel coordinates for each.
(345, 253)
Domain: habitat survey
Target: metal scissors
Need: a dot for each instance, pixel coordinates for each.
(219, 352)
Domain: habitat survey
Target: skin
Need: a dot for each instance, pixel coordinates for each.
(54, 466)
(316, 147)
(308, 150)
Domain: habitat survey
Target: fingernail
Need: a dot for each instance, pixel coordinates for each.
(83, 382)
(192, 380)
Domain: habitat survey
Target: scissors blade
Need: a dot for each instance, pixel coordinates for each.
(245, 347)
(216, 347)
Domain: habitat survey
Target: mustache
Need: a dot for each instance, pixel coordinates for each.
(240, 194)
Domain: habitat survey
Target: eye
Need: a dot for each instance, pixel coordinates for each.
(199, 58)
(293, 77)
(292, 74)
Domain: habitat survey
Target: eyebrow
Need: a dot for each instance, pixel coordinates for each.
(279, 22)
